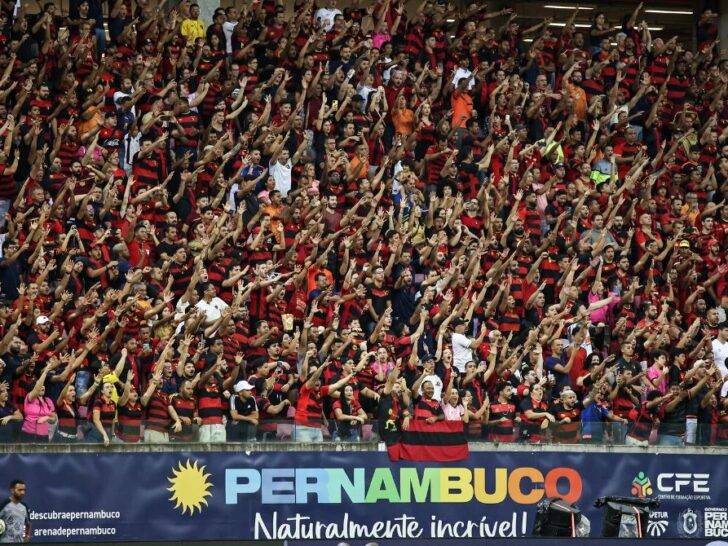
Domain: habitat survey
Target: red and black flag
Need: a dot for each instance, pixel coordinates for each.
(443, 441)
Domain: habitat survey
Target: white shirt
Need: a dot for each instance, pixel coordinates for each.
(327, 17)
(615, 117)
(132, 145)
(388, 72)
(364, 91)
(227, 28)
(213, 310)
(231, 196)
(462, 73)
(436, 383)
(461, 351)
(720, 353)
(282, 176)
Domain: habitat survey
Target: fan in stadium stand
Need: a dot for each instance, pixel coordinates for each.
(426, 436)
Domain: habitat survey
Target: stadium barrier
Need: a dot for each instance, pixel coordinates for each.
(284, 430)
(234, 492)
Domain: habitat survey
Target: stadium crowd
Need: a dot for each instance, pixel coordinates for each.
(294, 222)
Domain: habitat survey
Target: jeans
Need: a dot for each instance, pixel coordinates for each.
(94, 436)
(59, 439)
(670, 440)
(619, 431)
(303, 433)
(4, 209)
(354, 436)
(212, 433)
(83, 378)
(28, 438)
(691, 430)
(241, 431)
(100, 34)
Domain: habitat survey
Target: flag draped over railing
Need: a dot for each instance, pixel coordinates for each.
(443, 441)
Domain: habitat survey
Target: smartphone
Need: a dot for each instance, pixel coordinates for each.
(643, 365)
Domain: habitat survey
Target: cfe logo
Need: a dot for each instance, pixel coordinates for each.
(683, 483)
(672, 485)
(641, 486)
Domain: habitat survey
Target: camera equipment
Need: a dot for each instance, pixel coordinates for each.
(557, 518)
(625, 517)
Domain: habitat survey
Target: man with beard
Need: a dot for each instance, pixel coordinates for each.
(309, 410)
(184, 413)
(14, 513)
(567, 411)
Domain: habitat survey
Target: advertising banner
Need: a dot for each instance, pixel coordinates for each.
(352, 495)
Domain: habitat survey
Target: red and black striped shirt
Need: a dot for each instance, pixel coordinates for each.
(309, 408)
(185, 407)
(566, 433)
(502, 431)
(67, 418)
(157, 414)
(107, 411)
(190, 123)
(210, 403)
(129, 427)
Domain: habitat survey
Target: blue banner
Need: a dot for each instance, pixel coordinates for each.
(352, 495)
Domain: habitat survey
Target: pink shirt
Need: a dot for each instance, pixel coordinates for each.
(379, 39)
(600, 315)
(382, 367)
(41, 406)
(453, 413)
(653, 373)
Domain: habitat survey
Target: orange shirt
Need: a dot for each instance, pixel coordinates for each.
(578, 95)
(462, 108)
(311, 277)
(403, 121)
(358, 168)
(275, 214)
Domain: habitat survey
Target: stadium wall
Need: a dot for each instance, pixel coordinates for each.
(343, 492)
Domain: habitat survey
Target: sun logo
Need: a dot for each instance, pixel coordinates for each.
(189, 487)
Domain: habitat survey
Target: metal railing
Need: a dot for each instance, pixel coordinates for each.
(286, 430)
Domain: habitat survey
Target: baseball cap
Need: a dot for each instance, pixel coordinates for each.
(684, 243)
(243, 386)
(42, 319)
(120, 96)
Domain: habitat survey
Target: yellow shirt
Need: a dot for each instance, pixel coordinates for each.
(192, 29)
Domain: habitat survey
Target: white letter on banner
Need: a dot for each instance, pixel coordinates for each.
(260, 526)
